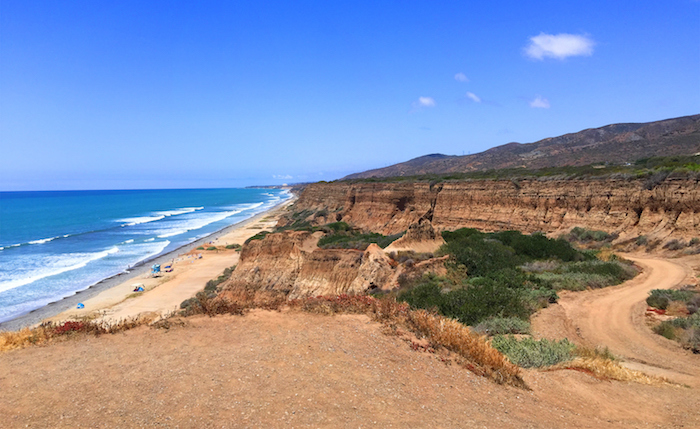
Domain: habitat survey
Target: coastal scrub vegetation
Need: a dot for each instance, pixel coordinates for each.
(684, 304)
(654, 170)
(343, 237)
(508, 275)
(587, 236)
(530, 353)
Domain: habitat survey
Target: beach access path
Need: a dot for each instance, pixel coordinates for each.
(190, 273)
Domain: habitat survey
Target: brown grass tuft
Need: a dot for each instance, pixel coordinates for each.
(606, 369)
(47, 332)
(478, 355)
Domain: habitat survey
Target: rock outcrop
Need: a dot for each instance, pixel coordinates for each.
(281, 266)
(420, 237)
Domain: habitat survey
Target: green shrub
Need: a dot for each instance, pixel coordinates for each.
(531, 353)
(535, 299)
(685, 330)
(233, 246)
(675, 244)
(583, 235)
(642, 240)
(481, 298)
(482, 253)
(342, 238)
(258, 236)
(575, 281)
(211, 248)
(200, 248)
(338, 226)
(666, 329)
(659, 296)
(658, 301)
(615, 270)
(503, 325)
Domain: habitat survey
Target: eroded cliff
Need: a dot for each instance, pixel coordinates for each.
(629, 207)
(288, 265)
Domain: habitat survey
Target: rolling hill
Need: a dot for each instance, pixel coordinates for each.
(616, 143)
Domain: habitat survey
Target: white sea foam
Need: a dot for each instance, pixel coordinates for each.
(196, 223)
(179, 211)
(42, 241)
(62, 264)
(128, 241)
(131, 221)
(148, 239)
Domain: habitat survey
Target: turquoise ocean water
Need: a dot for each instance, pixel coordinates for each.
(53, 244)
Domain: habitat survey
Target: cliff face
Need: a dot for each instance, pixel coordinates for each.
(287, 265)
(624, 206)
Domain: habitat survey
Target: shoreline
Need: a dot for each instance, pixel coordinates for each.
(62, 305)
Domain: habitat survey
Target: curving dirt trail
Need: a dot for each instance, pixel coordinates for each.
(614, 317)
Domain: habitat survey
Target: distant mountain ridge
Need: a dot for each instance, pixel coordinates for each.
(616, 143)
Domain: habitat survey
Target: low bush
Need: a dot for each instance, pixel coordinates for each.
(258, 236)
(233, 246)
(353, 239)
(583, 235)
(531, 353)
(666, 329)
(497, 295)
(575, 281)
(675, 244)
(661, 298)
(642, 240)
(503, 325)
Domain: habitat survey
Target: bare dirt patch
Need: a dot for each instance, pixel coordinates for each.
(270, 369)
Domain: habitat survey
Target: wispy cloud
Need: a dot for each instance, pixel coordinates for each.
(426, 102)
(282, 176)
(461, 77)
(422, 103)
(540, 103)
(473, 97)
(559, 46)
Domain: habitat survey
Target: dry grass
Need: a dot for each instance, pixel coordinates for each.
(607, 369)
(47, 332)
(479, 357)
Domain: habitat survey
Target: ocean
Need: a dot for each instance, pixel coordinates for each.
(53, 244)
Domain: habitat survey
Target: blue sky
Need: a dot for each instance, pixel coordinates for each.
(167, 94)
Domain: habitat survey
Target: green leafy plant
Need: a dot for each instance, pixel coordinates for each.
(531, 353)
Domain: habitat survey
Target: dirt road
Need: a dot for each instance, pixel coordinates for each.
(614, 317)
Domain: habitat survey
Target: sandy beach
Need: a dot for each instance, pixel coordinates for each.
(114, 298)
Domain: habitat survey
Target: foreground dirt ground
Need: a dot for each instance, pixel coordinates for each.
(269, 369)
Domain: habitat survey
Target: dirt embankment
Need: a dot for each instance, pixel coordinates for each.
(630, 207)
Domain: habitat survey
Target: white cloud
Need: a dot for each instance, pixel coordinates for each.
(475, 98)
(461, 77)
(422, 102)
(281, 176)
(540, 103)
(426, 102)
(559, 46)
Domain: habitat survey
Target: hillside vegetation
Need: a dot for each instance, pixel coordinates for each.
(612, 144)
